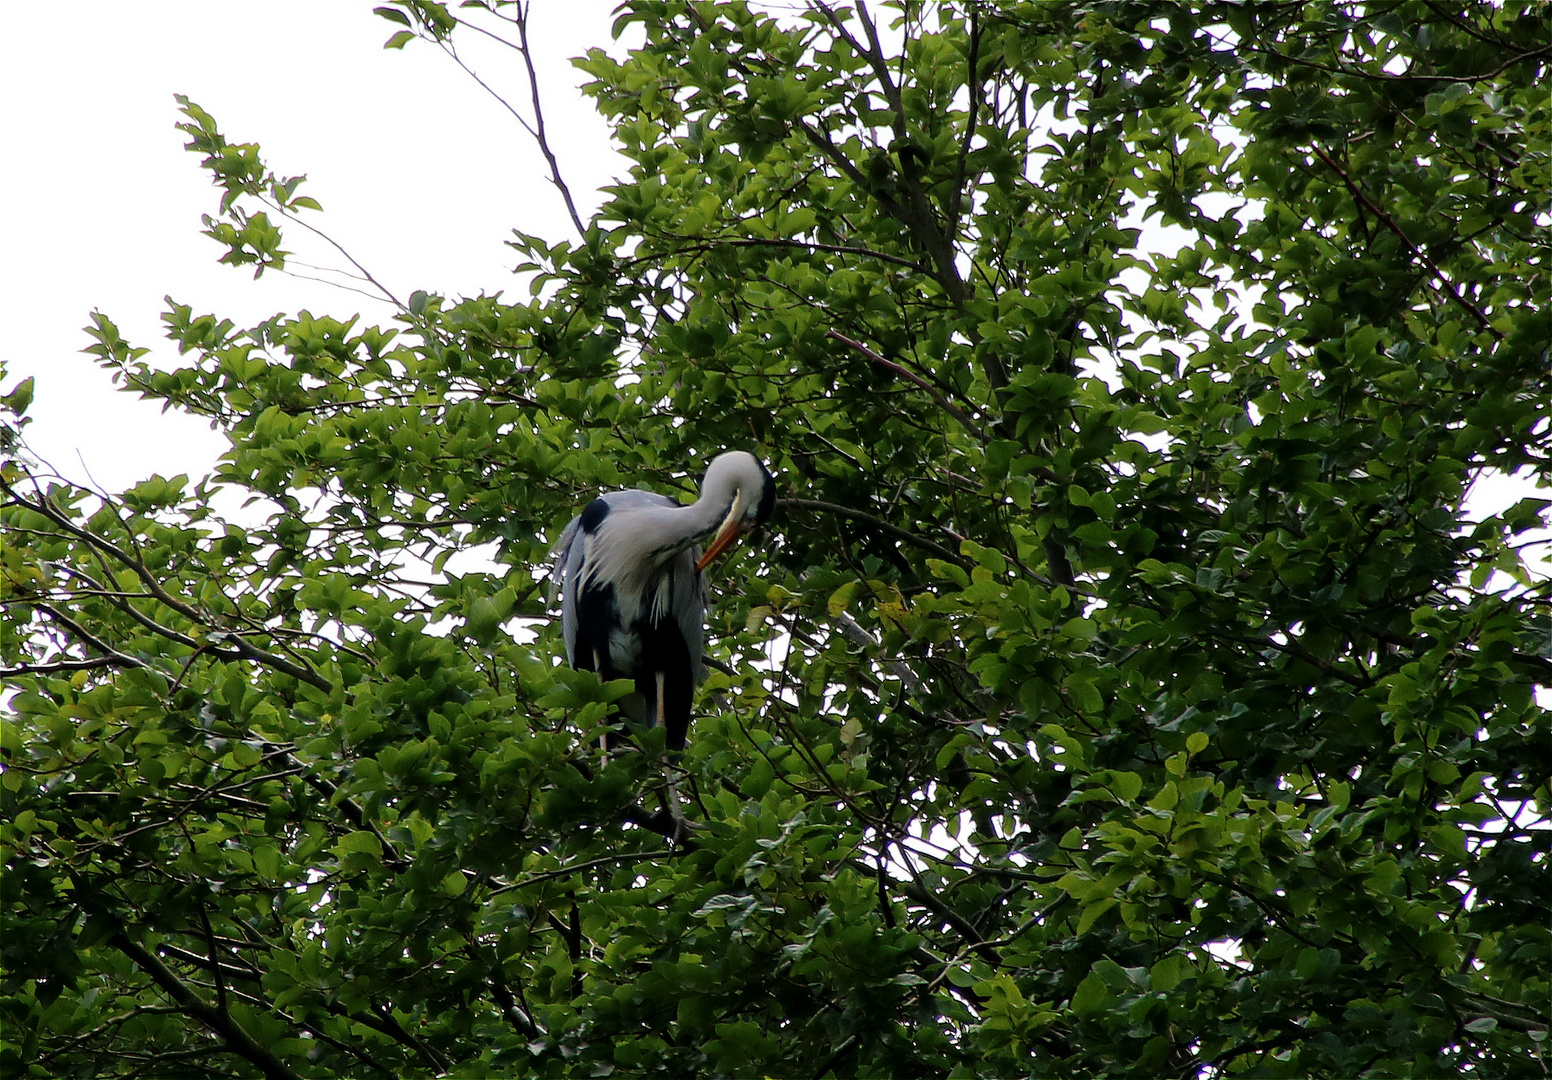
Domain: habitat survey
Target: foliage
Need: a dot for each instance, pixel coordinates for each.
(1123, 690)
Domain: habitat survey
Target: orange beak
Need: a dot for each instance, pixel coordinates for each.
(726, 536)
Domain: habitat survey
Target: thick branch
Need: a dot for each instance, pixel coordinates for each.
(1445, 285)
(912, 215)
(973, 92)
(937, 395)
(248, 651)
(880, 524)
(218, 1021)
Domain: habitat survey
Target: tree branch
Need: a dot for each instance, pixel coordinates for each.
(108, 651)
(708, 243)
(915, 213)
(239, 646)
(878, 523)
(915, 892)
(537, 129)
(521, 19)
(853, 632)
(973, 92)
(218, 1021)
(937, 395)
(1445, 285)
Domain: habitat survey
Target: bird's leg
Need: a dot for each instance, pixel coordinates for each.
(662, 684)
(675, 811)
(671, 793)
(603, 736)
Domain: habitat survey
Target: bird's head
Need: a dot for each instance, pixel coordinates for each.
(739, 481)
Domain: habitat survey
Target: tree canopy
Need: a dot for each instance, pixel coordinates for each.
(1125, 686)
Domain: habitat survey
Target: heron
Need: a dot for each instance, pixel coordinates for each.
(633, 601)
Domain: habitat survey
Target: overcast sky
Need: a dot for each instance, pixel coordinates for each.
(422, 176)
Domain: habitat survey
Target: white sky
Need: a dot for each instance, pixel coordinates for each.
(422, 176)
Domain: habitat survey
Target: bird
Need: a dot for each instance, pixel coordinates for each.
(633, 600)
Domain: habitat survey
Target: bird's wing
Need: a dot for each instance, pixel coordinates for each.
(617, 500)
(688, 596)
(688, 607)
(636, 499)
(562, 572)
(571, 553)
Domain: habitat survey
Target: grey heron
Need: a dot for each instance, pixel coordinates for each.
(633, 603)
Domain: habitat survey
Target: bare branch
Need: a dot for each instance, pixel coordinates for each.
(366, 274)
(521, 19)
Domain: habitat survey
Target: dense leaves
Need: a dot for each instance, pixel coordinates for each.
(1125, 688)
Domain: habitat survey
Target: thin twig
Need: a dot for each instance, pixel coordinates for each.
(53, 666)
(536, 129)
(708, 243)
(239, 647)
(567, 871)
(1385, 76)
(337, 246)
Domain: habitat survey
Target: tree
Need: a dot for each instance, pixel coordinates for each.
(1124, 689)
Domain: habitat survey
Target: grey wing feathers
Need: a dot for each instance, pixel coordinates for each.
(689, 608)
(560, 579)
(565, 561)
(635, 498)
(689, 605)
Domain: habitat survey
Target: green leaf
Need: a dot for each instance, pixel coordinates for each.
(359, 849)
(20, 397)
(1091, 996)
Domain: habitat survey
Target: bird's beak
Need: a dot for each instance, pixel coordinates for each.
(731, 530)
